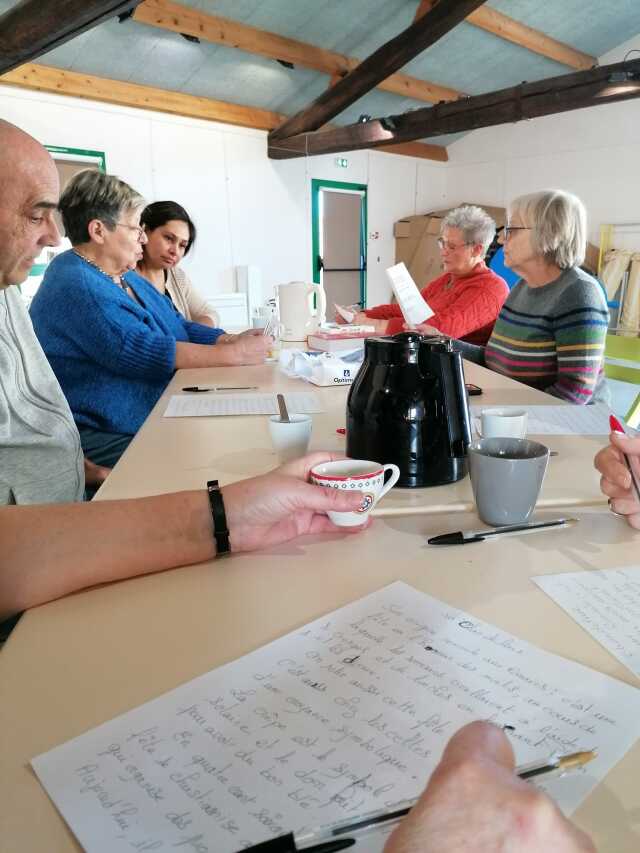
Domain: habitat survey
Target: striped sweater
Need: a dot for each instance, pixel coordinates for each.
(551, 337)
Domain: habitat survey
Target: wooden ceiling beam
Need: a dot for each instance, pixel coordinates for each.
(182, 19)
(535, 40)
(43, 78)
(507, 28)
(33, 27)
(377, 67)
(602, 85)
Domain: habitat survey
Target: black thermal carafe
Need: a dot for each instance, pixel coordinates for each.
(408, 405)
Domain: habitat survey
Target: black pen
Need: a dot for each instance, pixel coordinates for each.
(197, 388)
(462, 538)
(288, 844)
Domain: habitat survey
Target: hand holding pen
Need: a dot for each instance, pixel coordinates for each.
(475, 802)
(618, 464)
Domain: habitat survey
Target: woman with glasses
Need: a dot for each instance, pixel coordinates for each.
(170, 234)
(550, 333)
(112, 340)
(467, 297)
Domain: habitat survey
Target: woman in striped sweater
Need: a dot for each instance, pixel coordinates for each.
(550, 333)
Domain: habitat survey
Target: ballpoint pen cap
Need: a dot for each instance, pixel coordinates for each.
(615, 425)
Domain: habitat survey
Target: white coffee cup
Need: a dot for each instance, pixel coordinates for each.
(503, 423)
(290, 439)
(351, 475)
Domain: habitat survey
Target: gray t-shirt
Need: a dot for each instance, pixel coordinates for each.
(40, 455)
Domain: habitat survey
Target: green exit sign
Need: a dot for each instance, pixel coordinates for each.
(341, 162)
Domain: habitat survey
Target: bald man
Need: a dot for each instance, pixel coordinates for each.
(474, 801)
(40, 456)
(49, 551)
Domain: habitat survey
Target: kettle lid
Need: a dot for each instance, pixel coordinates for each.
(402, 348)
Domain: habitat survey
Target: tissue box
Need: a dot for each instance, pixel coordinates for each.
(332, 371)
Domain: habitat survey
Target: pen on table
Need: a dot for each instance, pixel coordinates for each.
(317, 840)
(616, 426)
(460, 537)
(197, 388)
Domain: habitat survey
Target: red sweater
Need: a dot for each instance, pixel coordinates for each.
(465, 306)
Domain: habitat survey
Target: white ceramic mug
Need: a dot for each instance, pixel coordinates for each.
(503, 423)
(290, 439)
(355, 474)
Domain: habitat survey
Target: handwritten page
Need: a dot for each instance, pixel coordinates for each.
(558, 420)
(346, 715)
(415, 309)
(207, 405)
(605, 603)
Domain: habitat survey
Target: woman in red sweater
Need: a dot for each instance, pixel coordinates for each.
(468, 296)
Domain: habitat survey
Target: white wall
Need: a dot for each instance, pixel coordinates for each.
(593, 152)
(248, 209)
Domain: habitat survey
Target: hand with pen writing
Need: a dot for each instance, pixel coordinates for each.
(278, 506)
(616, 481)
(475, 802)
(249, 347)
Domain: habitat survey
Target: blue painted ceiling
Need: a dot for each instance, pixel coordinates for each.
(468, 58)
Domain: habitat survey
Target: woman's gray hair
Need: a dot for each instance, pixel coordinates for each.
(559, 225)
(475, 223)
(91, 194)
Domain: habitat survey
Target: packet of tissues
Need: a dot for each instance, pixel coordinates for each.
(323, 368)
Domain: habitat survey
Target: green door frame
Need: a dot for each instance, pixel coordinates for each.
(317, 185)
(78, 154)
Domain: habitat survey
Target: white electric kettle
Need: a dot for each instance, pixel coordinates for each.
(298, 317)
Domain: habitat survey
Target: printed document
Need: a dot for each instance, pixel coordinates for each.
(557, 420)
(414, 307)
(216, 403)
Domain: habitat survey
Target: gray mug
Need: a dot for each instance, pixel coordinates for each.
(506, 477)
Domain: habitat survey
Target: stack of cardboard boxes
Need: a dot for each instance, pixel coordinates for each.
(417, 236)
(416, 241)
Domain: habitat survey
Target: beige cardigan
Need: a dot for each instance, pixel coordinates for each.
(186, 298)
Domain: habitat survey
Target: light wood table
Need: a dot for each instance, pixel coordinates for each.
(80, 661)
(170, 453)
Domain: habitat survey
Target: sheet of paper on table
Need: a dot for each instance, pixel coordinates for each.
(415, 308)
(212, 404)
(558, 420)
(342, 716)
(606, 603)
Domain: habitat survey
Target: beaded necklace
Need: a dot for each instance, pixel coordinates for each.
(122, 283)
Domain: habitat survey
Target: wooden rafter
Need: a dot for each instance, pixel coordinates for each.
(33, 27)
(383, 62)
(43, 78)
(507, 28)
(182, 19)
(603, 85)
(46, 79)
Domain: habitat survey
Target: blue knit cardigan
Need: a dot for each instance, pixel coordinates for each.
(112, 356)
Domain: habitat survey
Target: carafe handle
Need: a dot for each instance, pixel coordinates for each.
(456, 403)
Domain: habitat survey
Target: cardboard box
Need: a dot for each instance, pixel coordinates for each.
(591, 259)
(417, 241)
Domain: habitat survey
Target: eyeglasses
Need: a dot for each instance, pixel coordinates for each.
(451, 247)
(138, 228)
(509, 229)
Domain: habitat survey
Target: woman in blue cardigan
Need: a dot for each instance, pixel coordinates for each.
(112, 340)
